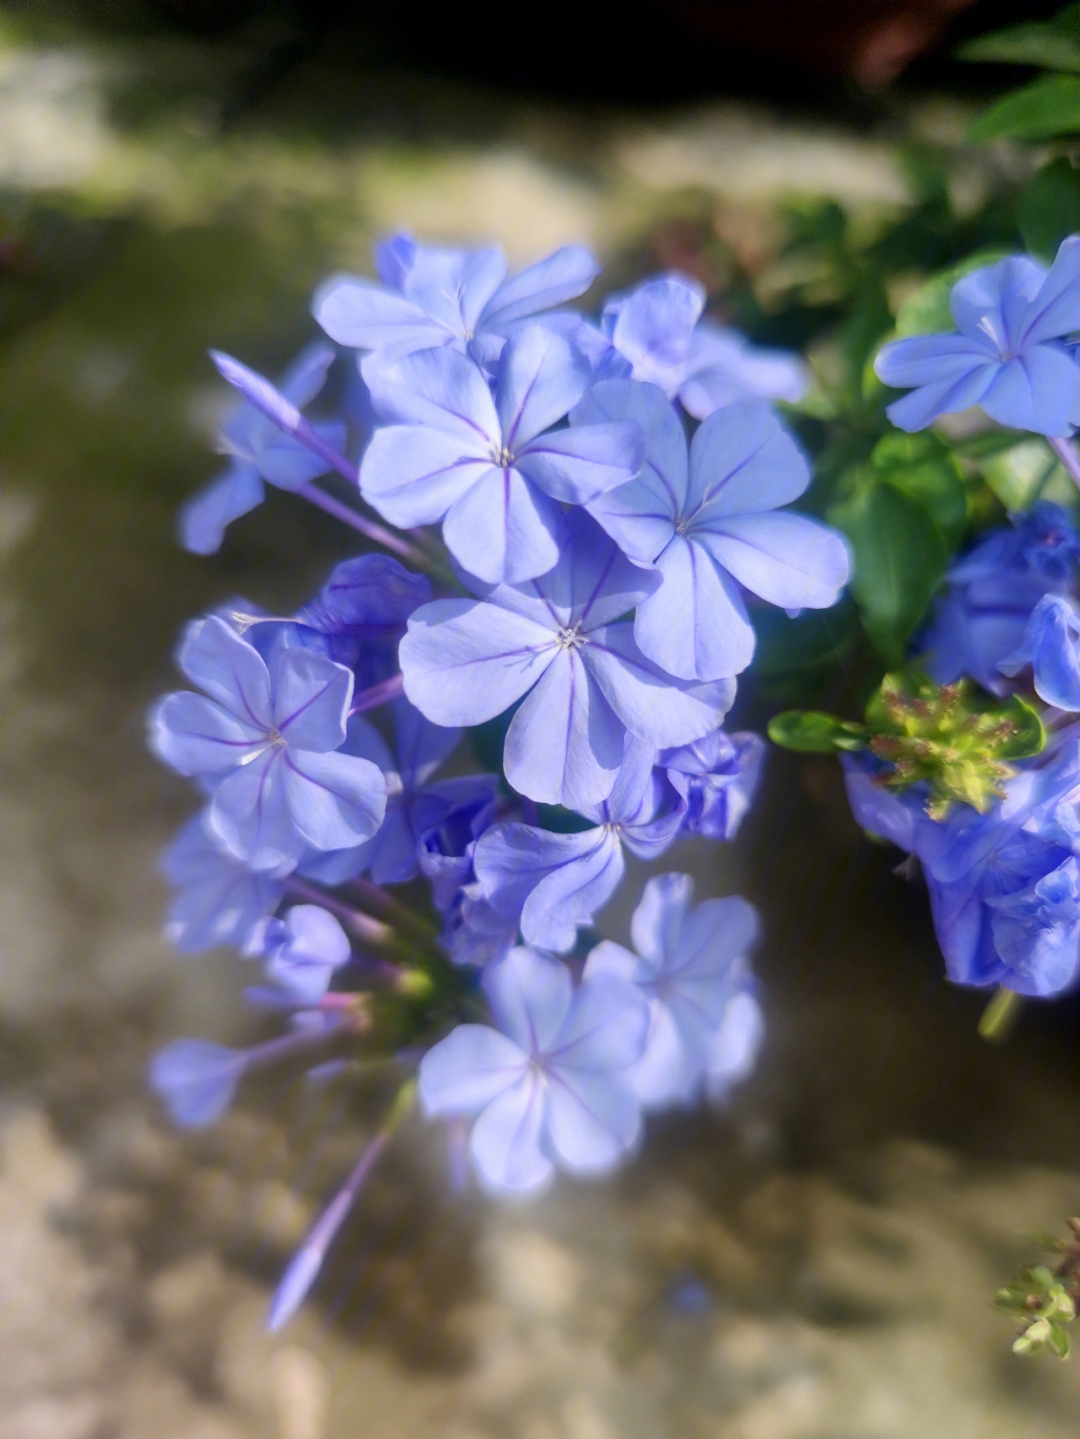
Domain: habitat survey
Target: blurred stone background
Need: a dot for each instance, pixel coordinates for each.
(816, 1263)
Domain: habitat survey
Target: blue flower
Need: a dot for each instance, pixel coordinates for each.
(483, 463)
(302, 951)
(362, 610)
(475, 933)
(221, 899)
(658, 333)
(556, 882)
(738, 1039)
(1008, 354)
(710, 522)
(1051, 646)
(465, 661)
(717, 777)
(896, 815)
(548, 1086)
(414, 803)
(430, 298)
(266, 737)
(689, 964)
(981, 619)
(260, 451)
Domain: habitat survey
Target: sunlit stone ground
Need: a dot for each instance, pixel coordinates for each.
(815, 1264)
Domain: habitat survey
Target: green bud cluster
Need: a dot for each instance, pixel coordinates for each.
(953, 738)
(1044, 1300)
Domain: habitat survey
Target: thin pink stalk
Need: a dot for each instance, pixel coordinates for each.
(377, 695)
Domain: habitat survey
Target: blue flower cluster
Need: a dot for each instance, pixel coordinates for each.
(1005, 884)
(608, 495)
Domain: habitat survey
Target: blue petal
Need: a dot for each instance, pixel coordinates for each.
(936, 360)
(505, 1143)
(735, 1046)
(196, 736)
(592, 1119)
(1055, 310)
(551, 281)
(603, 1030)
(465, 662)
(412, 475)
(503, 529)
(1055, 655)
(312, 696)
(220, 900)
(250, 814)
(565, 744)
(695, 626)
(653, 705)
(653, 326)
(1039, 390)
(641, 515)
(286, 463)
(368, 596)
(367, 317)
(785, 558)
(468, 1069)
(335, 801)
(659, 917)
(743, 461)
(196, 1079)
(228, 668)
(723, 368)
(541, 378)
(530, 996)
(995, 302)
(575, 466)
(204, 518)
(440, 389)
(421, 746)
(453, 286)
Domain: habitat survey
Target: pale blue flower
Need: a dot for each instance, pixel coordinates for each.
(1007, 355)
(689, 963)
(562, 638)
(556, 882)
(266, 738)
(548, 1087)
(489, 466)
(711, 520)
(431, 298)
(220, 899)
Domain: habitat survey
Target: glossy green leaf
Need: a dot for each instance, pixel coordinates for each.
(1053, 44)
(922, 466)
(1047, 107)
(811, 732)
(1049, 208)
(927, 312)
(900, 559)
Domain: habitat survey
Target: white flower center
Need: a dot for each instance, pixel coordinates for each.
(501, 457)
(571, 638)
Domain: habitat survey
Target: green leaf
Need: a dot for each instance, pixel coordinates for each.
(1030, 736)
(1022, 473)
(900, 560)
(1049, 208)
(922, 466)
(926, 312)
(1054, 43)
(1047, 107)
(812, 732)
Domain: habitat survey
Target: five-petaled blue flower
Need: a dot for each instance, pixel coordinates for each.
(556, 882)
(260, 451)
(430, 298)
(710, 521)
(267, 738)
(1008, 353)
(489, 466)
(549, 1086)
(689, 964)
(465, 661)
